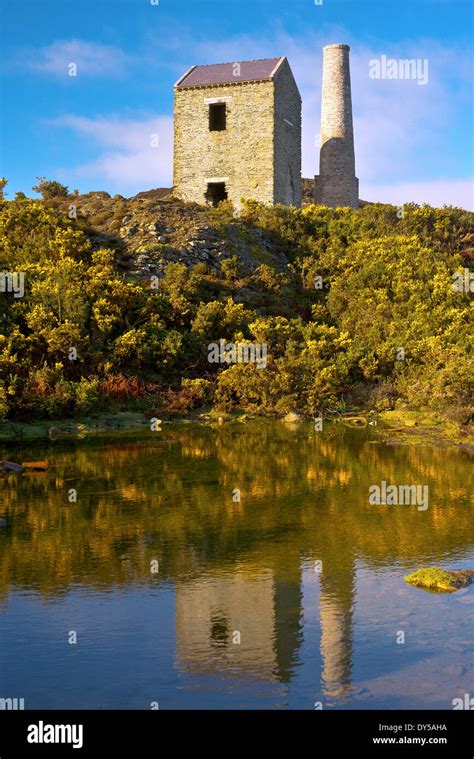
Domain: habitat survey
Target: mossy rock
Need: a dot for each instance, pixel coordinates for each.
(292, 417)
(441, 580)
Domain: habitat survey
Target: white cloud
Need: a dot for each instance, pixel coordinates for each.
(135, 154)
(90, 58)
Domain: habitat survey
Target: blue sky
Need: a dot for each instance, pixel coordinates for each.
(93, 131)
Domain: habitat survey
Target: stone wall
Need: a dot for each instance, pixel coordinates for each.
(287, 178)
(336, 190)
(241, 155)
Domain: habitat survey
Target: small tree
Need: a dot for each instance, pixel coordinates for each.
(3, 183)
(49, 188)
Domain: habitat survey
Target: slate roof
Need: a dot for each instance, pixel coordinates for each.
(223, 73)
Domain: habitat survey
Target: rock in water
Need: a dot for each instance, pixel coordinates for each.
(442, 580)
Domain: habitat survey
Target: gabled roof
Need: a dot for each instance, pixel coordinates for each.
(230, 73)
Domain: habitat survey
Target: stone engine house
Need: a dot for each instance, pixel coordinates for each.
(237, 133)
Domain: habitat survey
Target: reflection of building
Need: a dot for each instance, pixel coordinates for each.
(265, 611)
(265, 608)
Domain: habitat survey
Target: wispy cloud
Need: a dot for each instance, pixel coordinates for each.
(134, 154)
(90, 58)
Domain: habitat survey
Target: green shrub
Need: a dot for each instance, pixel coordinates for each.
(88, 398)
(387, 284)
(3, 402)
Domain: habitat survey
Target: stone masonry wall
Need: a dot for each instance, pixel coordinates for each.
(241, 155)
(287, 138)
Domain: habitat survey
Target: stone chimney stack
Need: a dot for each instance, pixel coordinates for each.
(337, 184)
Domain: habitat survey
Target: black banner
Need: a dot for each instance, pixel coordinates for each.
(135, 733)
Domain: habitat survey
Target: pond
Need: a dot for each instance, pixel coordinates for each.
(234, 566)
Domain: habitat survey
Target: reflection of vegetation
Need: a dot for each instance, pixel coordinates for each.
(303, 494)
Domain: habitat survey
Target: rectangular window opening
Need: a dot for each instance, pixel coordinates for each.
(217, 117)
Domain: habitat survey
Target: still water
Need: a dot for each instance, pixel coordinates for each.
(289, 597)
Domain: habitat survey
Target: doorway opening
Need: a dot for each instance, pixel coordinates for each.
(215, 193)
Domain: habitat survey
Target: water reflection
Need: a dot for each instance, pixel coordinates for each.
(236, 567)
(227, 623)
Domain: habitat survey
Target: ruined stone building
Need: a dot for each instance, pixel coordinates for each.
(237, 133)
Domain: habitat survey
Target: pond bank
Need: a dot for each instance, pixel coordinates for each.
(392, 427)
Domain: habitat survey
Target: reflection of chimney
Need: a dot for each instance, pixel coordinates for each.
(337, 184)
(336, 599)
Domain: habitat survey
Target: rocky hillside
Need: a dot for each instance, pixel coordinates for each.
(153, 229)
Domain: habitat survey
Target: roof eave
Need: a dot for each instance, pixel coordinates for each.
(222, 84)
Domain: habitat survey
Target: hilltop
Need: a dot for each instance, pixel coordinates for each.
(153, 229)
